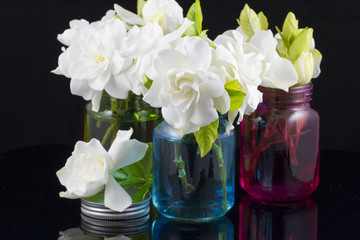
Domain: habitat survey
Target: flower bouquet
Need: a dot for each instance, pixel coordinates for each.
(106, 61)
(200, 85)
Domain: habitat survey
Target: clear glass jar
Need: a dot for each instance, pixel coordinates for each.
(120, 114)
(123, 114)
(280, 146)
(280, 221)
(186, 186)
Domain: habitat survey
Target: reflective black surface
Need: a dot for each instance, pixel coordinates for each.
(30, 207)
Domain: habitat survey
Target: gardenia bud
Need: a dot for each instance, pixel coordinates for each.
(304, 66)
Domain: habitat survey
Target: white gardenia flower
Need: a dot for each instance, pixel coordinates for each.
(143, 44)
(70, 35)
(88, 170)
(186, 89)
(167, 13)
(277, 72)
(245, 66)
(94, 59)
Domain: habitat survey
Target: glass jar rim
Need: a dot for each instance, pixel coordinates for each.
(296, 94)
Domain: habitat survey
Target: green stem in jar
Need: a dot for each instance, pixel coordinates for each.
(222, 166)
(180, 166)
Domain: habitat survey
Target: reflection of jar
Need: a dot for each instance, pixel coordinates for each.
(280, 146)
(164, 228)
(280, 221)
(123, 114)
(187, 186)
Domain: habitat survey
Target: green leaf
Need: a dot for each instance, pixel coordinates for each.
(281, 48)
(138, 176)
(290, 28)
(263, 21)
(132, 181)
(195, 14)
(279, 31)
(236, 94)
(302, 43)
(140, 194)
(140, 6)
(97, 198)
(146, 162)
(249, 21)
(206, 136)
(203, 34)
(119, 175)
(135, 169)
(148, 83)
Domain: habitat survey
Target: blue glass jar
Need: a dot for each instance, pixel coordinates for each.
(164, 228)
(187, 186)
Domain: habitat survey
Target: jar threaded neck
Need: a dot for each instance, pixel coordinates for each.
(295, 95)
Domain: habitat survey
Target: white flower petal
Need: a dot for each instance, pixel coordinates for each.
(167, 13)
(116, 198)
(168, 59)
(118, 63)
(222, 103)
(153, 95)
(304, 66)
(128, 16)
(172, 36)
(231, 118)
(100, 81)
(82, 88)
(142, 40)
(69, 35)
(125, 151)
(197, 52)
(281, 75)
(119, 87)
(121, 237)
(179, 120)
(317, 60)
(204, 113)
(95, 101)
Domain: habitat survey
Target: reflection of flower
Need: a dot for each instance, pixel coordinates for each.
(189, 93)
(89, 169)
(78, 234)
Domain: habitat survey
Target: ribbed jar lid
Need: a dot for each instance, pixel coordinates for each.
(99, 211)
(110, 229)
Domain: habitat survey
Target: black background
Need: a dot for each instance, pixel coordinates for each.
(37, 107)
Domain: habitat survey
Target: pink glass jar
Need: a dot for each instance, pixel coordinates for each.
(280, 221)
(280, 146)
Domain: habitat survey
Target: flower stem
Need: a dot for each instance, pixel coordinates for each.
(108, 133)
(218, 150)
(180, 166)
